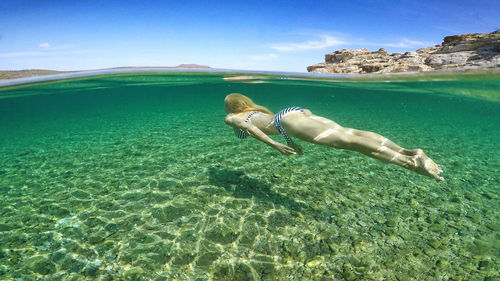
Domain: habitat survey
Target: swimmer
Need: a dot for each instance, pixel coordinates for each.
(250, 119)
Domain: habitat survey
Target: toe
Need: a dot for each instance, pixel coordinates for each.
(440, 170)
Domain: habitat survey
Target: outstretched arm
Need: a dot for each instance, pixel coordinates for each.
(258, 134)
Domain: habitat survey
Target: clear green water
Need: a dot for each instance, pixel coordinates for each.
(136, 177)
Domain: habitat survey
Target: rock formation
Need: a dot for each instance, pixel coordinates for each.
(458, 52)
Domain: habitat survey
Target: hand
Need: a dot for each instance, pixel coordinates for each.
(283, 149)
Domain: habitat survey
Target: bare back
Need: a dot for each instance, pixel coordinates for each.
(261, 120)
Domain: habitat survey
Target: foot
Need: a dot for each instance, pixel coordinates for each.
(425, 166)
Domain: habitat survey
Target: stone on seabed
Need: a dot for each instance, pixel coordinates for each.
(457, 52)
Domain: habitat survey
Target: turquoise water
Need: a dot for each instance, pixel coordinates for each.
(137, 177)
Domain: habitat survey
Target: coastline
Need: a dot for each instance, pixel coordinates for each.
(25, 73)
(15, 74)
(20, 77)
(476, 51)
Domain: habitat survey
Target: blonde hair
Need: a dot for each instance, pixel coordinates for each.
(236, 103)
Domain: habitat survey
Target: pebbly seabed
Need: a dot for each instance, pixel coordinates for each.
(136, 177)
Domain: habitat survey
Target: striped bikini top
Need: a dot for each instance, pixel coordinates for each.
(277, 118)
(243, 134)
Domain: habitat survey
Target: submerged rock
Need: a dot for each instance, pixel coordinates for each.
(457, 52)
(72, 264)
(170, 213)
(221, 234)
(41, 265)
(92, 268)
(207, 258)
(5, 227)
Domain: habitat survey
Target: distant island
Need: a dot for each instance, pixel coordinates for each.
(184, 65)
(478, 51)
(13, 74)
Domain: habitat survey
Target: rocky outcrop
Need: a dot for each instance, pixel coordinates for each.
(458, 52)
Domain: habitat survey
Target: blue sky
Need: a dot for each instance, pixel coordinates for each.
(251, 35)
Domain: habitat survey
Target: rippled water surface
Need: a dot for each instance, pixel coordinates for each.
(137, 177)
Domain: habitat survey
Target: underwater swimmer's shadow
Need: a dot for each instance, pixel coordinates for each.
(243, 186)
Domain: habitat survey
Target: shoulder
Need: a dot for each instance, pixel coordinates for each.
(229, 119)
(233, 119)
(237, 121)
(307, 112)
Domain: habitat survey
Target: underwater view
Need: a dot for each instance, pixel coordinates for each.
(137, 177)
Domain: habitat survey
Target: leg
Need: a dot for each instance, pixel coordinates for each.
(370, 135)
(366, 144)
(383, 141)
(417, 161)
(319, 130)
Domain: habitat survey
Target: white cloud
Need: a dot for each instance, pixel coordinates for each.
(405, 43)
(20, 54)
(63, 47)
(264, 57)
(325, 42)
(79, 52)
(48, 52)
(44, 45)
